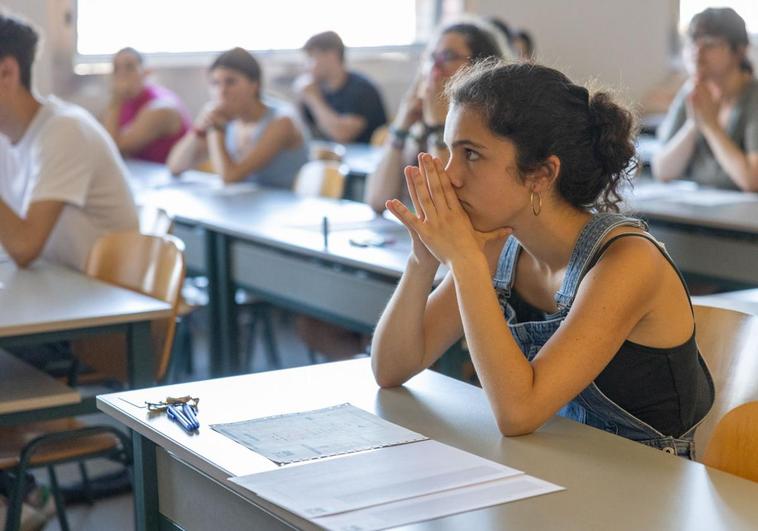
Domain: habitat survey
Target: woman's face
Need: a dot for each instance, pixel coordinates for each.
(450, 53)
(710, 57)
(128, 75)
(233, 90)
(483, 170)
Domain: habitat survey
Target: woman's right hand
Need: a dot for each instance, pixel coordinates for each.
(420, 254)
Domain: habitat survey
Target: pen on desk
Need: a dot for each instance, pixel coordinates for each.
(325, 231)
(189, 412)
(177, 416)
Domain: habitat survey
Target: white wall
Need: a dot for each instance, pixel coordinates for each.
(623, 44)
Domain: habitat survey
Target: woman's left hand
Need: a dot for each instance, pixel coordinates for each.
(442, 225)
(703, 106)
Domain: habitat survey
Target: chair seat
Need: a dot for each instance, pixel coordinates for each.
(14, 439)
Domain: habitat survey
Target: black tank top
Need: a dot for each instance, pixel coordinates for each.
(648, 382)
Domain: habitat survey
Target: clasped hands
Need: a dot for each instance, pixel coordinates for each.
(441, 229)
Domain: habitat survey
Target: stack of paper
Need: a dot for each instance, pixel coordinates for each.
(392, 486)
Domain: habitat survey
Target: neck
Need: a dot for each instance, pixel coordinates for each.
(335, 80)
(254, 112)
(23, 110)
(550, 237)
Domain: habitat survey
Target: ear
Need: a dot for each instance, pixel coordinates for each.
(542, 179)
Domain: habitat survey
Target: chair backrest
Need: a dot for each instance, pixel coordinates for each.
(320, 178)
(155, 221)
(148, 264)
(379, 136)
(321, 150)
(733, 446)
(728, 341)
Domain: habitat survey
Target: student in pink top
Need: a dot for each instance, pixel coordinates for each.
(144, 119)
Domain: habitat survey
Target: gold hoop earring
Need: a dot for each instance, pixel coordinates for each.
(536, 209)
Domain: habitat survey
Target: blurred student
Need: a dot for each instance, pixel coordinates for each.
(62, 180)
(522, 44)
(247, 137)
(338, 105)
(144, 119)
(420, 120)
(710, 134)
(524, 215)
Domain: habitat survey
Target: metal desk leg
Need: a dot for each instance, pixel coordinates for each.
(140, 355)
(146, 513)
(222, 306)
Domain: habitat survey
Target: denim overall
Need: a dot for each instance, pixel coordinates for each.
(591, 406)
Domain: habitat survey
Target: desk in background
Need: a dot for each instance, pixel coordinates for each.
(611, 482)
(710, 233)
(47, 303)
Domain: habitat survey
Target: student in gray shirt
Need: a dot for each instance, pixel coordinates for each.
(710, 134)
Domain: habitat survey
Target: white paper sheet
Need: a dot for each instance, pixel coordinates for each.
(314, 434)
(440, 504)
(371, 478)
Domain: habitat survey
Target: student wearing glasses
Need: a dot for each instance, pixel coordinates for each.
(247, 137)
(710, 133)
(420, 119)
(524, 216)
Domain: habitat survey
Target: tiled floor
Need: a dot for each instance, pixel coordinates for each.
(116, 513)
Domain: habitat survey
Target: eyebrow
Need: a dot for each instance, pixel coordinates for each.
(465, 141)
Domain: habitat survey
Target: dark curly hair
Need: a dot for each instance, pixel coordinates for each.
(543, 113)
(19, 39)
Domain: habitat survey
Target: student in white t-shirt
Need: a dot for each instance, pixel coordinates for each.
(62, 181)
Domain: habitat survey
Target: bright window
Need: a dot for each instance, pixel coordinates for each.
(198, 26)
(747, 9)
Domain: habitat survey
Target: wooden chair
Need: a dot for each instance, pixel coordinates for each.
(327, 151)
(728, 341)
(321, 178)
(152, 265)
(733, 446)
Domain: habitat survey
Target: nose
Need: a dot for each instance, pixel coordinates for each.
(455, 176)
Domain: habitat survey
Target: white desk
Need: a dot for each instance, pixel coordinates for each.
(611, 483)
(46, 303)
(717, 240)
(745, 300)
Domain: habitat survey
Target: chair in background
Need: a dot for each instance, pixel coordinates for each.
(733, 447)
(151, 265)
(728, 341)
(321, 178)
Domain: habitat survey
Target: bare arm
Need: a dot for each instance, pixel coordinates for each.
(24, 238)
(671, 160)
(343, 128)
(150, 124)
(190, 151)
(741, 167)
(280, 133)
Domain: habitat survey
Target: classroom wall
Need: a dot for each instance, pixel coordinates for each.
(625, 45)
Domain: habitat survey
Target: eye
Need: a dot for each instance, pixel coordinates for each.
(470, 154)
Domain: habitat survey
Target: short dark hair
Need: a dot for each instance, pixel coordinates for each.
(326, 41)
(19, 39)
(722, 22)
(479, 40)
(128, 49)
(543, 113)
(528, 41)
(240, 60)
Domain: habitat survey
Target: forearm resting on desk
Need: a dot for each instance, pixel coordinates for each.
(186, 153)
(24, 238)
(741, 167)
(398, 345)
(386, 181)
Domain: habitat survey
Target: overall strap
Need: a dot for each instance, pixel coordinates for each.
(506, 266)
(589, 241)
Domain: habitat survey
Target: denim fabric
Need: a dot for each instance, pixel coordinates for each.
(591, 406)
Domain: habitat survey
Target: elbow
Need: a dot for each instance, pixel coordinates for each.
(521, 421)
(24, 256)
(383, 378)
